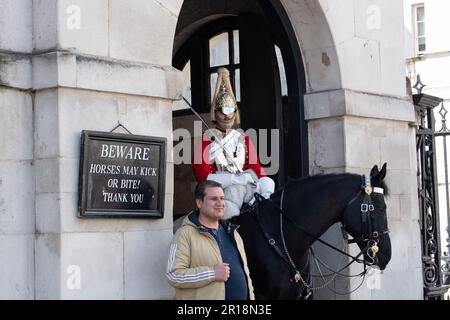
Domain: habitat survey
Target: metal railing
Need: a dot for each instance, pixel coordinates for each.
(435, 260)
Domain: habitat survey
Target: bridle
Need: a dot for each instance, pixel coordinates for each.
(369, 233)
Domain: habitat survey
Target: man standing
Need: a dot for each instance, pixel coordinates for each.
(228, 156)
(206, 257)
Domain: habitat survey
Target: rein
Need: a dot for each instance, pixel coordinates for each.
(371, 236)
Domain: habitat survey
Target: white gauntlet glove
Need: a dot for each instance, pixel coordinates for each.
(242, 179)
(227, 179)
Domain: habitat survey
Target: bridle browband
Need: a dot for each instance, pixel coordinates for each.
(371, 236)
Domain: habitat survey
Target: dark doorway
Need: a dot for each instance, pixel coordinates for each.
(255, 41)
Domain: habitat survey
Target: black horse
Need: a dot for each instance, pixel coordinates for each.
(279, 233)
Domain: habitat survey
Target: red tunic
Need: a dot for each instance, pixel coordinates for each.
(206, 166)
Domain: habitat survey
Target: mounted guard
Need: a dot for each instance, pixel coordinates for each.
(227, 155)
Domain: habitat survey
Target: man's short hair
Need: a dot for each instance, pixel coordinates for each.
(202, 186)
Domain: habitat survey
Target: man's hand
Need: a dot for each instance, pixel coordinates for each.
(222, 271)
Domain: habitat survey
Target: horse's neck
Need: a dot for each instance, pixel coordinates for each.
(322, 206)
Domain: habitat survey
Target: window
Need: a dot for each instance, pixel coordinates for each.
(214, 45)
(224, 52)
(419, 23)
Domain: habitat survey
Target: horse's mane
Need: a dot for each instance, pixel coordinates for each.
(326, 177)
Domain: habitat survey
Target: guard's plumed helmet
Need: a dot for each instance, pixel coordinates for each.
(224, 99)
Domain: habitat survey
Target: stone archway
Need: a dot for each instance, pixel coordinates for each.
(308, 21)
(358, 114)
(197, 18)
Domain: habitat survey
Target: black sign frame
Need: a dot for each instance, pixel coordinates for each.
(84, 211)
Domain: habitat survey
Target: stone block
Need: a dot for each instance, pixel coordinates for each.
(17, 267)
(57, 175)
(404, 235)
(45, 70)
(336, 103)
(48, 212)
(15, 71)
(47, 176)
(71, 70)
(92, 266)
(89, 106)
(45, 24)
(166, 223)
(402, 285)
(16, 130)
(46, 119)
(309, 22)
(360, 52)
(79, 266)
(392, 70)
(70, 222)
(393, 205)
(144, 39)
(409, 207)
(395, 147)
(69, 174)
(83, 26)
(16, 197)
(145, 262)
(16, 24)
(325, 104)
(326, 143)
(414, 258)
(361, 149)
(142, 116)
(129, 77)
(340, 17)
(374, 18)
(48, 268)
(322, 69)
(148, 116)
(400, 182)
(54, 69)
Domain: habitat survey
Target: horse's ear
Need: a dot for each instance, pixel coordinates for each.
(378, 176)
(374, 171)
(383, 172)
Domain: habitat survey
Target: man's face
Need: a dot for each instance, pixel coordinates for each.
(213, 204)
(224, 121)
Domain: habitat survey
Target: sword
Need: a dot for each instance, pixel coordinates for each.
(216, 139)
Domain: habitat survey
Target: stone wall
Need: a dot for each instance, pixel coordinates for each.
(68, 66)
(17, 188)
(359, 115)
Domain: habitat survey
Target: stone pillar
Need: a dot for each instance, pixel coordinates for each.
(358, 115)
(92, 64)
(350, 132)
(17, 218)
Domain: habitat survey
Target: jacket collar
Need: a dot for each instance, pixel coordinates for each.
(193, 220)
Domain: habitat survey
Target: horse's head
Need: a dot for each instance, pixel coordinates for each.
(366, 221)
